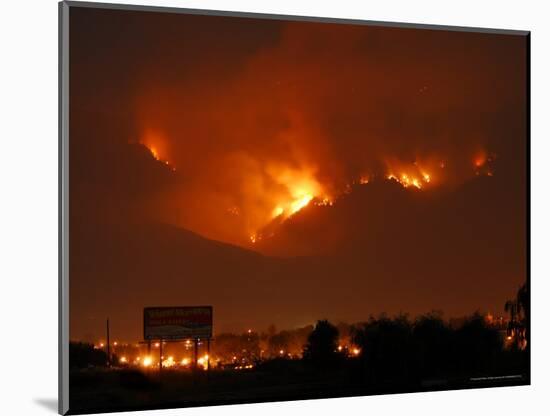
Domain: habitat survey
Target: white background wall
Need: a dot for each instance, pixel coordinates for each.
(28, 204)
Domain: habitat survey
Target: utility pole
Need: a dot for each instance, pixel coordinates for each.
(108, 346)
(160, 356)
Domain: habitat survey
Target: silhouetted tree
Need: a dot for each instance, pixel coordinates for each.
(251, 346)
(230, 345)
(386, 348)
(433, 344)
(523, 300)
(511, 307)
(524, 304)
(279, 342)
(271, 330)
(322, 344)
(518, 309)
(476, 346)
(82, 355)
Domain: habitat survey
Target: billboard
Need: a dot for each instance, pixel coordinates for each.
(178, 322)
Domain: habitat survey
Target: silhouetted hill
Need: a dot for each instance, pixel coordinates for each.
(382, 216)
(403, 255)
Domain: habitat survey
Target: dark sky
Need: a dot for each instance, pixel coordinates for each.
(190, 134)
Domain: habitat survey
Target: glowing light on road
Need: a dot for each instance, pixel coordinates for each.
(203, 361)
(169, 362)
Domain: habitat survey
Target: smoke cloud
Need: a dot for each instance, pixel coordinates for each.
(255, 116)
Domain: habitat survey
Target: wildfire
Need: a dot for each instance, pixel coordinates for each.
(324, 202)
(154, 152)
(299, 199)
(483, 163)
(285, 191)
(480, 158)
(300, 186)
(406, 180)
(278, 211)
(157, 144)
(301, 202)
(297, 188)
(418, 174)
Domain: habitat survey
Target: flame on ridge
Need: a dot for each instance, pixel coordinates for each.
(158, 146)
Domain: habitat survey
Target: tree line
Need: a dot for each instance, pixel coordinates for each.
(385, 348)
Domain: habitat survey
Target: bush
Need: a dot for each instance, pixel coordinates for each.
(82, 355)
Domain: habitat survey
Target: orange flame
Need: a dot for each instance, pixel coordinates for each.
(158, 145)
(480, 158)
(301, 188)
(416, 174)
(282, 190)
(154, 152)
(295, 189)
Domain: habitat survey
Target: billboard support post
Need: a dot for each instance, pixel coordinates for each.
(178, 323)
(195, 354)
(160, 356)
(208, 355)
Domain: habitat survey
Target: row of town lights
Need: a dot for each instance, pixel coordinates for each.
(147, 360)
